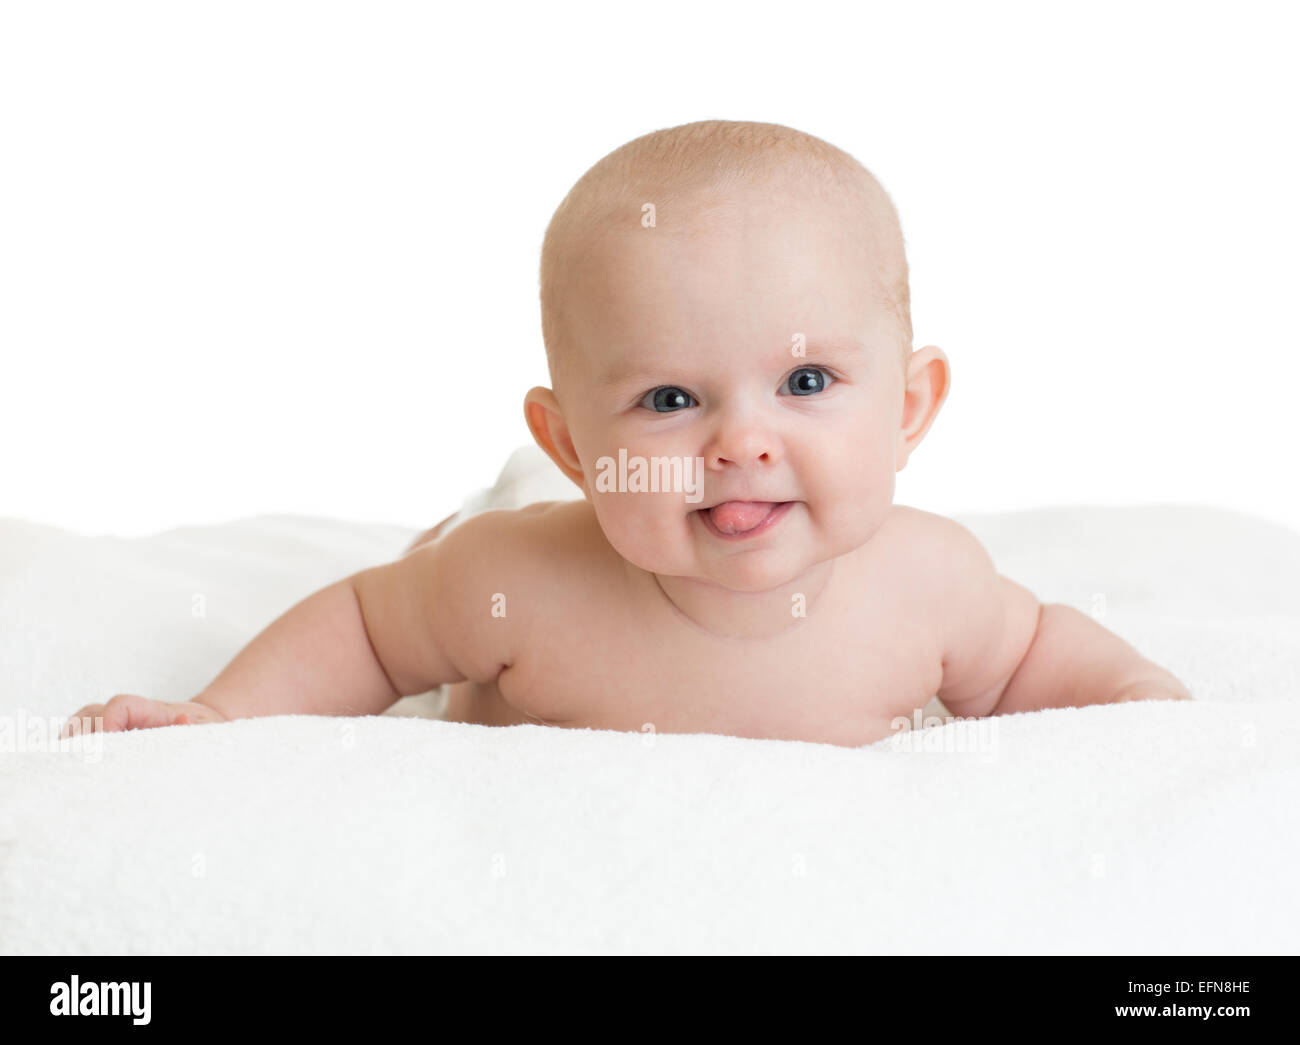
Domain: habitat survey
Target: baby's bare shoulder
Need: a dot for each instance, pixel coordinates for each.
(485, 587)
(925, 532)
(530, 545)
(937, 554)
(544, 524)
(985, 621)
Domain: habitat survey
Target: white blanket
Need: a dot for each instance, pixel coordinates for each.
(1141, 828)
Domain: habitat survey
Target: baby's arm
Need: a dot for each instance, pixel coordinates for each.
(346, 650)
(1004, 651)
(352, 648)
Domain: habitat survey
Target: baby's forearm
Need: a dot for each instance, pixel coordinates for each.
(315, 659)
(1074, 661)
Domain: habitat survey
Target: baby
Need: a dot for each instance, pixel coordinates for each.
(727, 324)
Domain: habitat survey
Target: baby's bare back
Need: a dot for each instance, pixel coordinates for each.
(597, 644)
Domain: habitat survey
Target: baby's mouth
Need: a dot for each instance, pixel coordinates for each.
(743, 518)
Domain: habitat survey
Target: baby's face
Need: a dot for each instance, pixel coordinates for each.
(756, 340)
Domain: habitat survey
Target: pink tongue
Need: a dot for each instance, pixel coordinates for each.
(734, 517)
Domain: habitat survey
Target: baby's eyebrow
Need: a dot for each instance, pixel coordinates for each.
(814, 349)
(841, 348)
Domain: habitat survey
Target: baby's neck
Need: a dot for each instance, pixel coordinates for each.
(746, 614)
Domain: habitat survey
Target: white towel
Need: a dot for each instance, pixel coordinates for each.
(1141, 828)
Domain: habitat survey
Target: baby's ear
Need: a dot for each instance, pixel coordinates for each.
(928, 378)
(550, 431)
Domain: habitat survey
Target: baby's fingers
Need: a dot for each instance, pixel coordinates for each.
(124, 711)
(83, 721)
(192, 714)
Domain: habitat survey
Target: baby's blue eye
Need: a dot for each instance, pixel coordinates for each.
(808, 381)
(667, 399)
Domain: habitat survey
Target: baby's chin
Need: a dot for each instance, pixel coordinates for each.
(736, 568)
(750, 576)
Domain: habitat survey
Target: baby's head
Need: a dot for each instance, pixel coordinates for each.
(736, 293)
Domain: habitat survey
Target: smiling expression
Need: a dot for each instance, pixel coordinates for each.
(687, 339)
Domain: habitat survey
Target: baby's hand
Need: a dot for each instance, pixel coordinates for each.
(126, 711)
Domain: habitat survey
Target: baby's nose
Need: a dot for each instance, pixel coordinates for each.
(741, 445)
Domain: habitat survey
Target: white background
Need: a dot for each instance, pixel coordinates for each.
(282, 257)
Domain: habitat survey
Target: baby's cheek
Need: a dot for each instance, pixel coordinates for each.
(851, 512)
(644, 528)
(850, 474)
